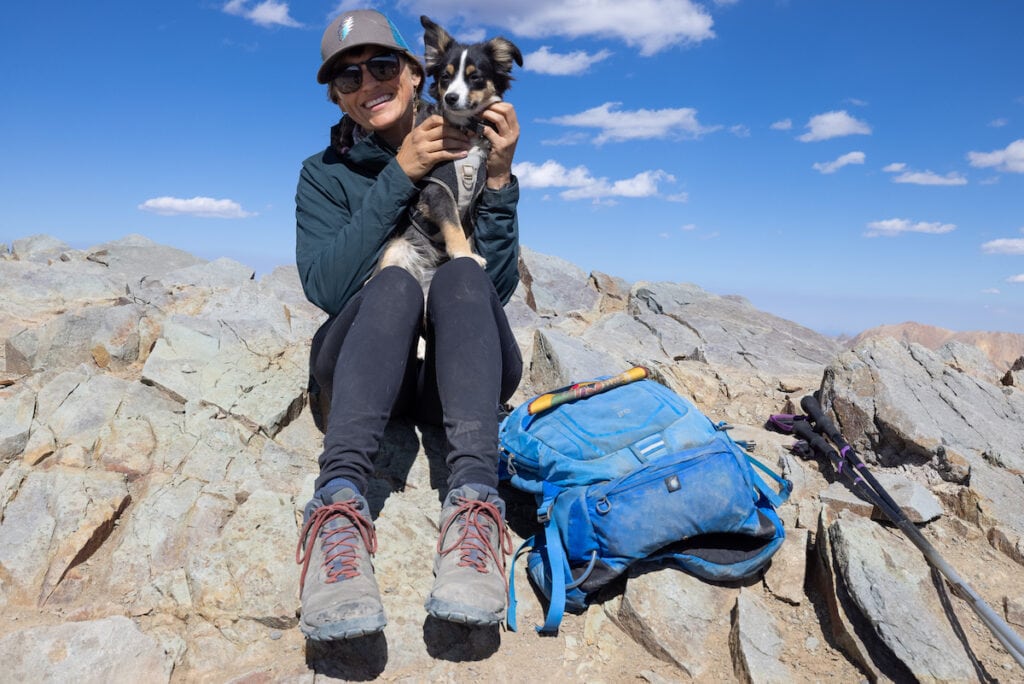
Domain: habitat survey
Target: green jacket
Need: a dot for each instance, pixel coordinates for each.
(349, 200)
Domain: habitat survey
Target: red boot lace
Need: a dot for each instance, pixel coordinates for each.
(473, 542)
(341, 545)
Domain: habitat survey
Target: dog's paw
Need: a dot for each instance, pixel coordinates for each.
(475, 257)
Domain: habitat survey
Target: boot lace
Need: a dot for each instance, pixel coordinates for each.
(473, 543)
(340, 542)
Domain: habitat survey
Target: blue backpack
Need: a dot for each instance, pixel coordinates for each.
(628, 473)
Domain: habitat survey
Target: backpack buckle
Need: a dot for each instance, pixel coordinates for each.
(544, 514)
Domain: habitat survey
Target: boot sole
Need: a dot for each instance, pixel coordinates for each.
(463, 614)
(350, 629)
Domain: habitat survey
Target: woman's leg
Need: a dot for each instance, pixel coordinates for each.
(366, 356)
(472, 364)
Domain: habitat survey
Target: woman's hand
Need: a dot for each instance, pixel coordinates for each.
(503, 136)
(428, 145)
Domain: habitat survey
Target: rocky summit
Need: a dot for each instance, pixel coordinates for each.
(156, 451)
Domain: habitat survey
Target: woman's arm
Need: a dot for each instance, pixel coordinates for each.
(342, 222)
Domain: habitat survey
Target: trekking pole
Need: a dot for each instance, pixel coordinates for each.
(584, 390)
(866, 483)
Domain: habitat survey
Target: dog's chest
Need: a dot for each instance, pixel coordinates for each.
(464, 178)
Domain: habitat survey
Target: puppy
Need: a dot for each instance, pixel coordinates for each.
(465, 80)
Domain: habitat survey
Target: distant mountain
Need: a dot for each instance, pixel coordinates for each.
(1000, 347)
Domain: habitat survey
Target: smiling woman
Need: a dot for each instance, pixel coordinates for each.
(364, 367)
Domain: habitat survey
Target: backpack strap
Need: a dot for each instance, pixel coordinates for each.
(785, 486)
(554, 556)
(510, 616)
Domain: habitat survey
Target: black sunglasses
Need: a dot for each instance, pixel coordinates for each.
(382, 67)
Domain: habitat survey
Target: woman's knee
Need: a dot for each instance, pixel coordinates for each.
(460, 280)
(396, 289)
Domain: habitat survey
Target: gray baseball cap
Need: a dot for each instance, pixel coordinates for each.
(355, 29)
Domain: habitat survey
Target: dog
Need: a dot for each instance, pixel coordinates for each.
(464, 81)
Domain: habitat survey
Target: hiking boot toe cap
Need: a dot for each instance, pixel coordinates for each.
(464, 612)
(343, 622)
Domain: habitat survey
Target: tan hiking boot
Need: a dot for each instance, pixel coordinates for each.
(469, 569)
(339, 595)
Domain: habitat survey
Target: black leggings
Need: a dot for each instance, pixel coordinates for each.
(364, 359)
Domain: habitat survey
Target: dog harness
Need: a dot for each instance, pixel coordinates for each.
(462, 179)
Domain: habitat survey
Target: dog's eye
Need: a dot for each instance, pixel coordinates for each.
(444, 80)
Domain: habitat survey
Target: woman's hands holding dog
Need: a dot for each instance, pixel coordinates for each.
(429, 144)
(503, 136)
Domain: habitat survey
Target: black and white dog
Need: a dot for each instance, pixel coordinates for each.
(465, 80)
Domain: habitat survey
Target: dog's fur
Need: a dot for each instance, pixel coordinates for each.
(465, 80)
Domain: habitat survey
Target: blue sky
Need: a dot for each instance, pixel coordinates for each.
(843, 164)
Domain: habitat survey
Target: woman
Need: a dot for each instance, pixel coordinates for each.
(350, 199)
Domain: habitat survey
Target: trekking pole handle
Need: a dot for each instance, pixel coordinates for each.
(803, 430)
(585, 389)
(821, 421)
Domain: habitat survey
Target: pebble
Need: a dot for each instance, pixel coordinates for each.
(811, 643)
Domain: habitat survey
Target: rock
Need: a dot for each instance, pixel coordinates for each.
(39, 248)
(555, 286)
(914, 499)
(249, 572)
(155, 456)
(901, 404)
(17, 408)
(839, 497)
(91, 334)
(659, 606)
(218, 274)
(50, 522)
(733, 333)
(889, 583)
(787, 574)
(110, 650)
(755, 642)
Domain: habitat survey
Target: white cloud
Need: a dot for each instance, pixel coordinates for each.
(833, 125)
(543, 61)
(857, 102)
(266, 13)
(998, 123)
(688, 227)
(740, 130)
(650, 25)
(923, 177)
(991, 291)
(894, 227)
(579, 183)
(1010, 159)
(846, 159)
(1016, 279)
(783, 125)
(930, 178)
(204, 207)
(1004, 246)
(616, 125)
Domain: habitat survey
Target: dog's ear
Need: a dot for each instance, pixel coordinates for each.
(503, 53)
(436, 42)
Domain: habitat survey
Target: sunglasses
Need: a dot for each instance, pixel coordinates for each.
(382, 67)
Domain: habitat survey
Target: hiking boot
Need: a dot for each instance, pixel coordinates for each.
(340, 599)
(469, 569)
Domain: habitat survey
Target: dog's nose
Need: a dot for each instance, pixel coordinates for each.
(451, 99)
